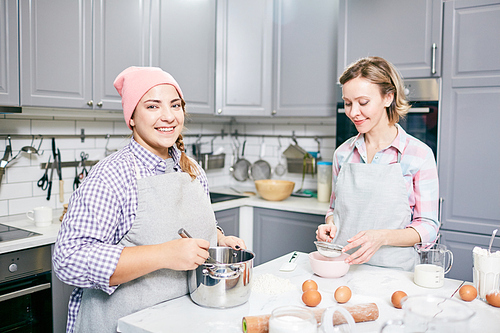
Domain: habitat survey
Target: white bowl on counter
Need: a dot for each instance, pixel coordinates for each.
(328, 267)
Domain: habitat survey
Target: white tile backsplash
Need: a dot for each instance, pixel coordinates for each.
(19, 191)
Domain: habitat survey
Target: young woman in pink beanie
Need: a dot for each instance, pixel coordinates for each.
(119, 242)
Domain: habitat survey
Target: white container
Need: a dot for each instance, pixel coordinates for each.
(324, 181)
(289, 319)
(486, 271)
(41, 215)
(431, 264)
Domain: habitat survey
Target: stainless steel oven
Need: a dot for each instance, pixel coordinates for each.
(25, 291)
(421, 121)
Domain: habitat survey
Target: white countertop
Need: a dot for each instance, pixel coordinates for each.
(368, 284)
(293, 204)
(49, 234)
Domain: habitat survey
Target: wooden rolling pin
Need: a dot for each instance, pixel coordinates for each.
(360, 313)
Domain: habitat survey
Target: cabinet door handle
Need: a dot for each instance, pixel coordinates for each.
(99, 104)
(433, 64)
(219, 111)
(90, 103)
(440, 211)
(273, 113)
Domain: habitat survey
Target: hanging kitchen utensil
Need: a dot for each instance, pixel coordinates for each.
(76, 181)
(54, 167)
(5, 159)
(30, 149)
(43, 182)
(280, 169)
(59, 173)
(260, 169)
(84, 172)
(242, 166)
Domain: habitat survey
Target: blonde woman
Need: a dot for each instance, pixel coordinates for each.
(385, 184)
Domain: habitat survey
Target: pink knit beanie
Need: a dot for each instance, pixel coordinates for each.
(135, 82)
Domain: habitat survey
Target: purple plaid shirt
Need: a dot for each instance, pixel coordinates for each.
(101, 211)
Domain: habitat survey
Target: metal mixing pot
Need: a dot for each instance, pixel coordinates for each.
(224, 284)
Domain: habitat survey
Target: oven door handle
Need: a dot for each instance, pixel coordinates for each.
(26, 291)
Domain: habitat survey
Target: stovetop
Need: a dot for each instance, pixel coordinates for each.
(8, 233)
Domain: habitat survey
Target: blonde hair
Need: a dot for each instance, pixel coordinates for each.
(186, 164)
(382, 73)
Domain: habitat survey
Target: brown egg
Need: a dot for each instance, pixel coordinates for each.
(342, 294)
(309, 285)
(493, 298)
(311, 298)
(467, 293)
(396, 298)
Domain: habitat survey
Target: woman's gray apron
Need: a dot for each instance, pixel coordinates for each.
(166, 203)
(373, 196)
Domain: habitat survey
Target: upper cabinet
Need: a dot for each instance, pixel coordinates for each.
(304, 58)
(71, 51)
(276, 57)
(183, 35)
(9, 74)
(405, 32)
(244, 57)
(231, 57)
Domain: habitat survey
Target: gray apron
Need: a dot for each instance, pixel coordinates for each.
(373, 196)
(166, 203)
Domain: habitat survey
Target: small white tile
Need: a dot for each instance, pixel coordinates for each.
(15, 126)
(51, 127)
(24, 174)
(4, 208)
(15, 191)
(20, 206)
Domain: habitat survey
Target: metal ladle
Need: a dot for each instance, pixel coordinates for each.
(30, 149)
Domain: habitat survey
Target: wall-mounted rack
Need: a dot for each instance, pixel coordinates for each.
(222, 134)
(83, 136)
(279, 136)
(70, 164)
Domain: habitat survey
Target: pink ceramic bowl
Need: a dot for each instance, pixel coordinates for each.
(328, 267)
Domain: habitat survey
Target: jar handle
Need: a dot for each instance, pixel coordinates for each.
(327, 319)
(450, 261)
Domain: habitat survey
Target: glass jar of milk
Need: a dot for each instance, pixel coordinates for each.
(290, 319)
(431, 264)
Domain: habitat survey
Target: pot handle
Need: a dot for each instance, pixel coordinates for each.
(212, 270)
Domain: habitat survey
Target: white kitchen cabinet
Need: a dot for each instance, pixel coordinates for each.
(183, 35)
(305, 58)
(9, 75)
(71, 51)
(469, 181)
(278, 232)
(244, 57)
(405, 32)
(276, 58)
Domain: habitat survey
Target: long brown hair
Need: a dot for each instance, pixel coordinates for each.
(382, 73)
(187, 165)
